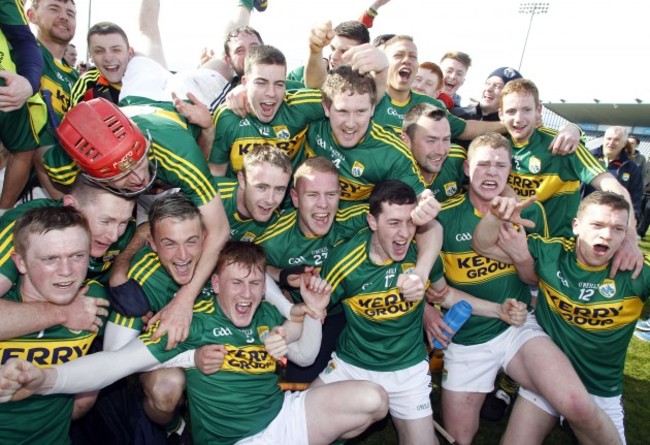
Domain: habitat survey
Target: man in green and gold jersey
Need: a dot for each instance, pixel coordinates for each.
(277, 118)
(52, 253)
(374, 276)
(589, 314)
(426, 132)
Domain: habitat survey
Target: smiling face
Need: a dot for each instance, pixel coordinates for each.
(600, 231)
(453, 73)
(261, 190)
(426, 82)
(108, 216)
(54, 265)
(393, 232)
(111, 54)
(265, 89)
(239, 289)
(519, 114)
(56, 21)
(402, 65)
(179, 245)
(491, 94)
(430, 144)
(316, 196)
(488, 169)
(349, 116)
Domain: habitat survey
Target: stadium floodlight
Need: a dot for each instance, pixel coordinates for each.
(533, 9)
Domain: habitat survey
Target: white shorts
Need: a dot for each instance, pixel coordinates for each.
(289, 426)
(474, 368)
(613, 407)
(408, 389)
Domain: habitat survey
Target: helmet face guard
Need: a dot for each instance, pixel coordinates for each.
(126, 193)
(104, 142)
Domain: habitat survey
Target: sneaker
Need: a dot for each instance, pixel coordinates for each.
(643, 325)
(261, 5)
(643, 336)
(495, 406)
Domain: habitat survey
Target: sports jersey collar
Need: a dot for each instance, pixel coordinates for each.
(533, 137)
(588, 268)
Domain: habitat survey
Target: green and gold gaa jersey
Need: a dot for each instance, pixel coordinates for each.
(589, 315)
(243, 397)
(450, 180)
(235, 135)
(378, 156)
(383, 330)
(390, 113)
(475, 274)
(287, 246)
(43, 419)
(555, 180)
(159, 288)
(58, 78)
(98, 268)
(241, 228)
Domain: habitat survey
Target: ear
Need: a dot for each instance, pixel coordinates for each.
(241, 179)
(539, 108)
(294, 197)
(214, 279)
(466, 167)
(501, 115)
(31, 15)
(326, 108)
(131, 53)
(20, 263)
(151, 243)
(243, 80)
(70, 201)
(406, 139)
(372, 222)
(575, 226)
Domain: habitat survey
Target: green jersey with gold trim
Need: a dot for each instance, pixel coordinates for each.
(241, 228)
(235, 135)
(383, 330)
(450, 180)
(58, 78)
(475, 274)
(555, 180)
(390, 113)
(287, 246)
(378, 156)
(173, 144)
(243, 397)
(97, 267)
(589, 315)
(159, 288)
(43, 419)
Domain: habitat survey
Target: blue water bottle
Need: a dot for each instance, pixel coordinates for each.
(455, 318)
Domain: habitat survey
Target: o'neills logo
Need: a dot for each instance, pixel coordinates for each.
(126, 162)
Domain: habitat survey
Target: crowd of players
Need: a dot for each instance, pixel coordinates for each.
(238, 215)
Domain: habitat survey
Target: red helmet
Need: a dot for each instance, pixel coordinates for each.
(103, 141)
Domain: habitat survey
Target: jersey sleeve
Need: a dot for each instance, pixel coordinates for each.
(223, 121)
(585, 165)
(59, 166)
(181, 164)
